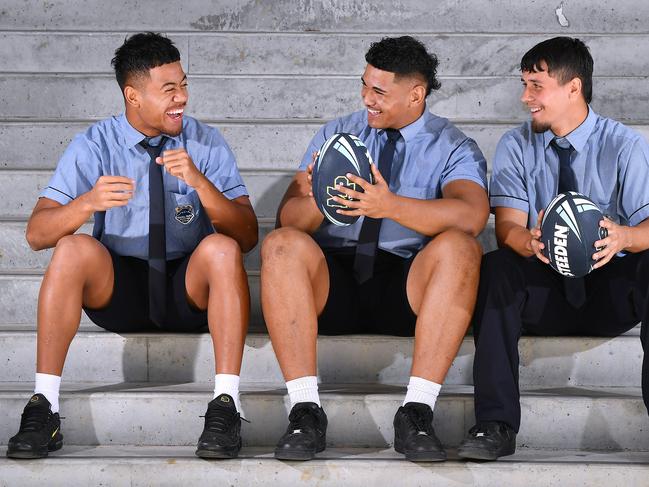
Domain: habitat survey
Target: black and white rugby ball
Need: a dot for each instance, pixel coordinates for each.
(339, 155)
(569, 230)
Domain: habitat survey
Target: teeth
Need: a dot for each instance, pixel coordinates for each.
(534, 110)
(373, 112)
(176, 112)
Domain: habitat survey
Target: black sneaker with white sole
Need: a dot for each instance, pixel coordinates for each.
(39, 433)
(306, 434)
(221, 437)
(414, 435)
(488, 440)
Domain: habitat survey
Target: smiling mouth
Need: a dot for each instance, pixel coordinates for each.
(534, 110)
(373, 113)
(176, 114)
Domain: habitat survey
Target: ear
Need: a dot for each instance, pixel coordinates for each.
(575, 88)
(132, 96)
(417, 95)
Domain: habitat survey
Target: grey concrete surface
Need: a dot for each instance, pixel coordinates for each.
(359, 416)
(305, 53)
(156, 357)
(140, 466)
(306, 15)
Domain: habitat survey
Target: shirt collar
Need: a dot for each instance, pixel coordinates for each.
(409, 131)
(579, 136)
(132, 136)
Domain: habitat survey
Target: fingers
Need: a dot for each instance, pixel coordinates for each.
(358, 180)
(115, 179)
(349, 192)
(378, 177)
(603, 257)
(537, 247)
(539, 220)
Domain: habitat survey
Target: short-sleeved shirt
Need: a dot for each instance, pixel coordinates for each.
(111, 148)
(610, 162)
(431, 153)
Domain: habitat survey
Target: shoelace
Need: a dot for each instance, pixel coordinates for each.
(418, 419)
(34, 418)
(301, 418)
(219, 420)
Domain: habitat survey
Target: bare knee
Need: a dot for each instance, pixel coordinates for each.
(286, 244)
(77, 252)
(456, 247)
(219, 253)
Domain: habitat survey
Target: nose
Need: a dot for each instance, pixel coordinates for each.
(526, 96)
(181, 96)
(367, 96)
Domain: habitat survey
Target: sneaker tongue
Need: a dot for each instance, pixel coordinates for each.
(38, 400)
(226, 400)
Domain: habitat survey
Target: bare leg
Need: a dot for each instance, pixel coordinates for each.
(217, 281)
(80, 274)
(294, 290)
(441, 288)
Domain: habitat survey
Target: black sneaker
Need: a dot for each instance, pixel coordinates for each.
(488, 441)
(306, 434)
(221, 437)
(39, 433)
(414, 434)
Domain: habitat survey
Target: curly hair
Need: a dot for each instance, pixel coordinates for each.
(140, 53)
(566, 58)
(405, 56)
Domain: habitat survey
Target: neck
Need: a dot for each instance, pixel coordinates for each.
(138, 124)
(573, 120)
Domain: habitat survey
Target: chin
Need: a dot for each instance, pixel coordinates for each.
(540, 127)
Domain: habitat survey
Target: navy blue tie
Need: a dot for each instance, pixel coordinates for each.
(574, 288)
(157, 237)
(368, 237)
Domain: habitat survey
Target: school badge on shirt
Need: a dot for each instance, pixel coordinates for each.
(185, 214)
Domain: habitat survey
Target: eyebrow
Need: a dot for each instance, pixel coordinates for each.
(375, 88)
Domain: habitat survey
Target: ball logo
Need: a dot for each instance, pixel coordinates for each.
(332, 191)
(561, 249)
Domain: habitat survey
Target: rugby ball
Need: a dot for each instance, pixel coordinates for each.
(340, 154)
(569, 230)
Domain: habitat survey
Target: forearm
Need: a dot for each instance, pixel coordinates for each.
(639, 238)
(300, 212)
(229, 217)
(48, 225)
(431, 217)
(515, 237)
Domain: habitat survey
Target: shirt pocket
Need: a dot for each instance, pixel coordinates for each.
(184, 221)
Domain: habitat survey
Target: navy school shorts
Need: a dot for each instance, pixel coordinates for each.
(128, 309)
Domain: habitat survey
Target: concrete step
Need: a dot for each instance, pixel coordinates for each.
(359, 415)
(46, 96)
(351, 16)
(302, 54)
(155, 357)
(163, 466)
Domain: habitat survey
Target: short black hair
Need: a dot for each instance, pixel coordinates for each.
(566, 58)
(140, 53)
(405, 56)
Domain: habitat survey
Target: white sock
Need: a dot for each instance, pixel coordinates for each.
(304, 389)
(49, 385)
(422, 390)
(228, 384)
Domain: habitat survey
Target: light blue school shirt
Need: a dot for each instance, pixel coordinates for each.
(431, 153)
(610, 162)
(111, 147)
